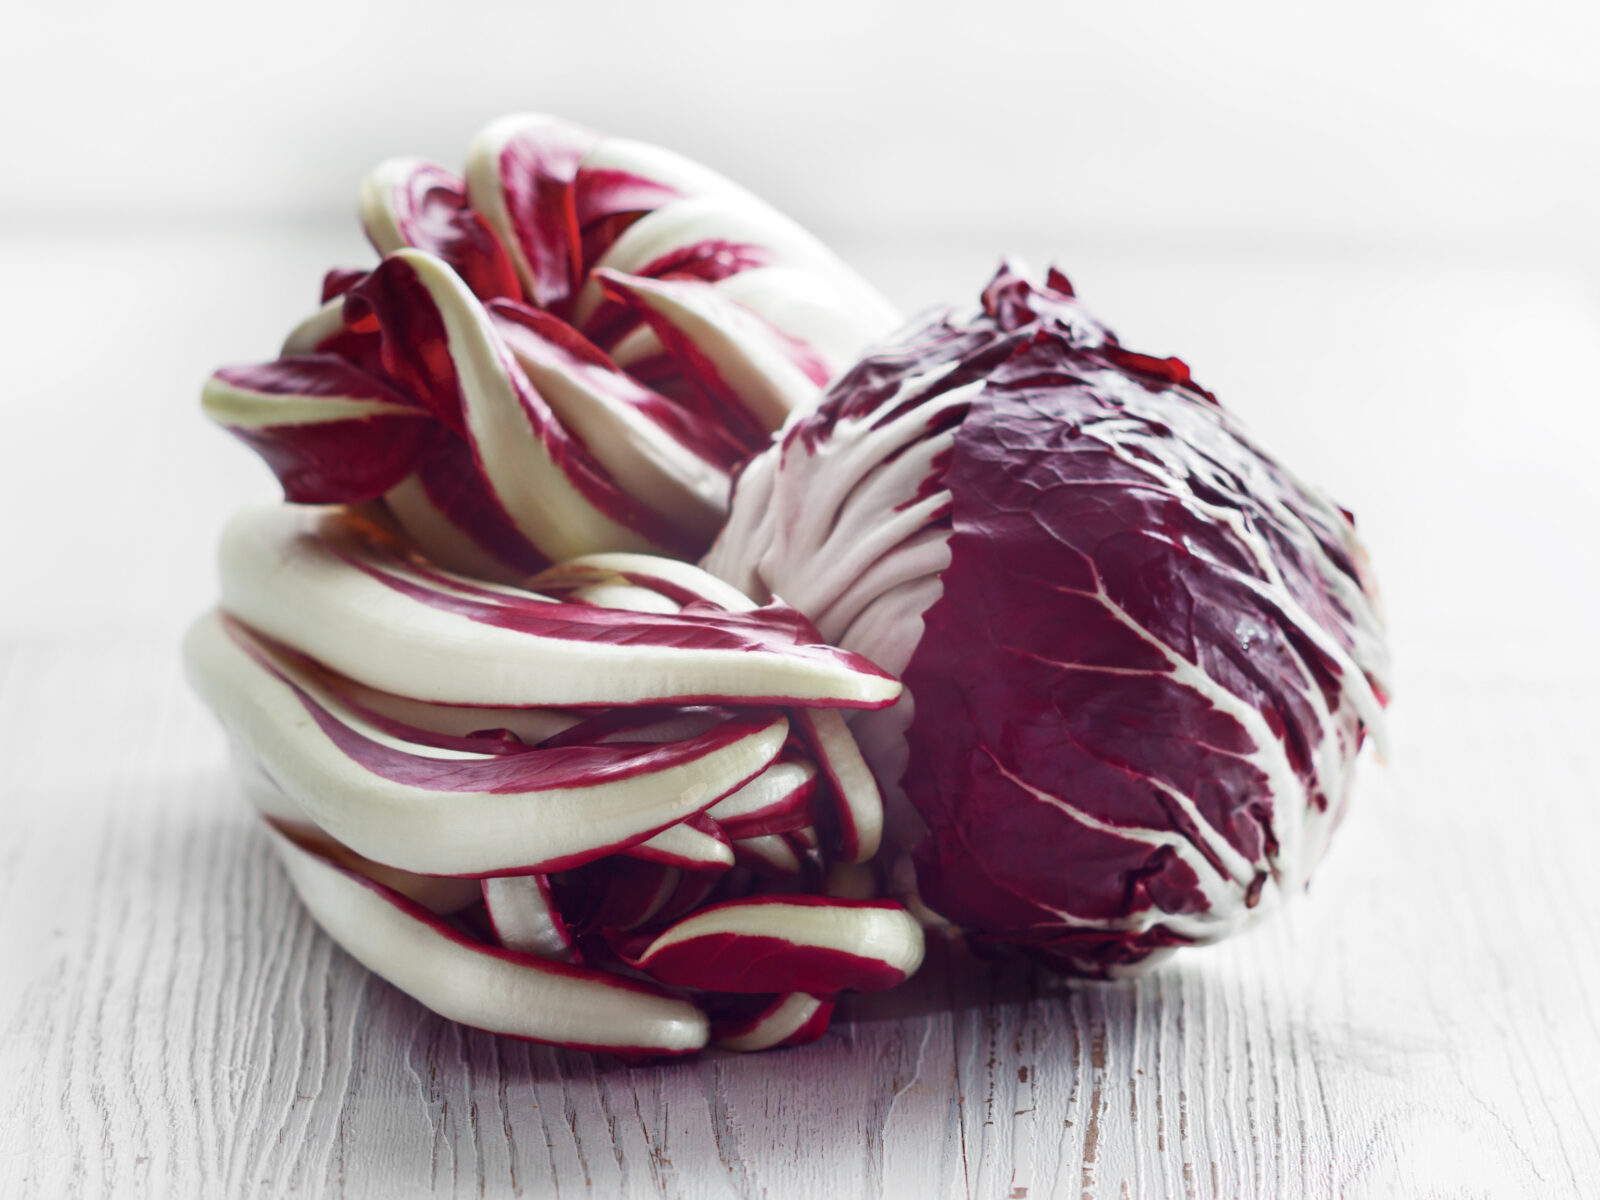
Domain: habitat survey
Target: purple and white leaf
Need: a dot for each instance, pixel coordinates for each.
(342, 591)
(443, 811)
(487, 987)
(787, 944)
(330, 431)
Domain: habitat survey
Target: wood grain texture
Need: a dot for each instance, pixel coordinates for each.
(1425, 1024)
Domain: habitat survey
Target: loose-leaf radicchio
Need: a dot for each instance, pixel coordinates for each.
(579, 811)
(564, 351)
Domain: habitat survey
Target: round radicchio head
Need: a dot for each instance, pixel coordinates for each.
(562, 352)
(1140, 656)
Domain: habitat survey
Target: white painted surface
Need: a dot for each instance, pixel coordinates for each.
(1425, 1024)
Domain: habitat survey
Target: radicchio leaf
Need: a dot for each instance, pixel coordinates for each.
(503, 991)
(342, 591)
(329, 431)
(788, 944)
(457, 811)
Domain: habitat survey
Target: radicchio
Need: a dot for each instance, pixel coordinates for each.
(525, 760)
(1140, 655)
(603, 802)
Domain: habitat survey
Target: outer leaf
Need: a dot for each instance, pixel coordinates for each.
(330, 432)
(788, 944)
(341, 591)
(453, 812)
(521, 995)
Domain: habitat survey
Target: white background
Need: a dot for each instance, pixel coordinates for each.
(1443, 121)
